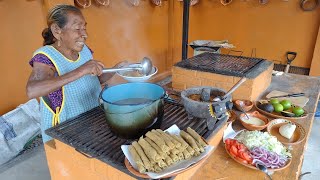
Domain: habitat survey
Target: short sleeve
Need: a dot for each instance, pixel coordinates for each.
(41, 58)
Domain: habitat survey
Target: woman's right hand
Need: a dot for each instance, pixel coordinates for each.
(92, 67)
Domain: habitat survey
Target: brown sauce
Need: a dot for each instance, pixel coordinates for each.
(197, 97)
(132, 74)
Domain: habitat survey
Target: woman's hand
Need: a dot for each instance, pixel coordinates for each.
(106, 76)
(92, 67)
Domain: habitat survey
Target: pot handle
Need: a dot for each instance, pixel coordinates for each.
(167, 97)
(100, 95)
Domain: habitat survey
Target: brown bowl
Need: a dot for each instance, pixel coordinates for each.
(298, 136)
(253, 127)
(247, 105)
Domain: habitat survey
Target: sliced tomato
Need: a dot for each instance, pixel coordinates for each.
(232, 154)
(228, 141)
(242, 147)
(241, 160)
(240, 154)
(228, 146)
(234, 150)
(236, 143)
(247, 157)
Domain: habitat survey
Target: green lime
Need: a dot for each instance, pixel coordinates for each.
(274, 101)
(278, 107)
(298, 111)
(286, 104)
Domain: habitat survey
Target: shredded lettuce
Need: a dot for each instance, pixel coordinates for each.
(253, 139)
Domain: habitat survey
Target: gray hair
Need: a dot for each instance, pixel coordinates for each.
(58, 15)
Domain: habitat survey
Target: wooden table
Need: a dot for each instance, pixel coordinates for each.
(221, 166)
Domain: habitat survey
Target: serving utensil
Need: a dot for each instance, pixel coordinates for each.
(242, 80)
(289, 95)
(263, 169)
(241, 103)
(144, 68)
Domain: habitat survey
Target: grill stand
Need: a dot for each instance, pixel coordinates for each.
(89, 134)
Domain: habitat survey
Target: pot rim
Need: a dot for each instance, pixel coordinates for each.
(149, 102)
(185, 93)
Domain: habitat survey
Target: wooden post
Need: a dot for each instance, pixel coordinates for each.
(315, 63)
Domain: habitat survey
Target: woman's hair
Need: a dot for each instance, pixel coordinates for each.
(58, 15)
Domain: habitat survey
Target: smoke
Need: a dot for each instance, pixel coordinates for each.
(125, 29)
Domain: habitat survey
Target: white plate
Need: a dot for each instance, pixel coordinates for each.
(139, 78)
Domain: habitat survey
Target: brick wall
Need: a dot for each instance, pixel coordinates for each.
(185, 78)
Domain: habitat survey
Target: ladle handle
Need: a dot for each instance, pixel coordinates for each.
(242, 80)
(105, 70)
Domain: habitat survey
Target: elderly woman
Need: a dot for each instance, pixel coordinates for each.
(64, 73)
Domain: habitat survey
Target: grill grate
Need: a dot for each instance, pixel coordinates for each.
(90, 134)
(221, 64)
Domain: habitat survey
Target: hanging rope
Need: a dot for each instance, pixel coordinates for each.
(225, 2)
(83, 3)
(307, 5)
(103, 2)
(135, 2)
(192, 2)
(263, 1)
(157, 2)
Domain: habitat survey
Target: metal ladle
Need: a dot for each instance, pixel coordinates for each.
(144, 68)
(241, 103)
(263, 169)
(242, 80)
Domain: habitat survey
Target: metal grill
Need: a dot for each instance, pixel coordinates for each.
(221, 64)
(89, 133)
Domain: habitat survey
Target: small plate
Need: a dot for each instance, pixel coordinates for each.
(298, 135)
(279, 115)
(253, 167)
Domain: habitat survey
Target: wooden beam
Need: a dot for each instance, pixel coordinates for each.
(315, 63)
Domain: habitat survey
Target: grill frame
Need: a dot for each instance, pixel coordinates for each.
(83, 133)
(207, 58)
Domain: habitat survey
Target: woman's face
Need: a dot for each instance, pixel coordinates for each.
(74, 34)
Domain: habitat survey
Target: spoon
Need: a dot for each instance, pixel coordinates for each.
(241, 105)
(263, 169)
(242, 80)
(144, 68)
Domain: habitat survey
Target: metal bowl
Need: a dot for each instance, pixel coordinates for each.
(143, 78)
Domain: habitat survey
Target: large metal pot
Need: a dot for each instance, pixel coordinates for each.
(132, 109)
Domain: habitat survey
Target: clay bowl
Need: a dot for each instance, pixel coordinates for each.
(232, 116)
(253, 167)
(247, 105)
(298, 136)
(253, 127)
